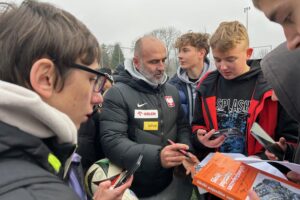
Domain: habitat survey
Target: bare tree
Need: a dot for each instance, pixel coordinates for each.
(168, 35)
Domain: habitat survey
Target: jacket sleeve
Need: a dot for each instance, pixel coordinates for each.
(286, 127)
(122, 151)
(198, 119)
(184, 129)
(198, 123)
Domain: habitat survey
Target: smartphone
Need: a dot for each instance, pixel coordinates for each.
(127, 174)
(266, 141)
(226, 132)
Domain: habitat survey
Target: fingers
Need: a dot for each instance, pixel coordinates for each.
(252, 195)
(204, 138)
(105, 185)
(170, 155)
(201, 132)
(282, 143)
(270, 155)
(294, 176)
(106, 190)
(126, 185)
(102, 188)
(189, 164)
(177, 146)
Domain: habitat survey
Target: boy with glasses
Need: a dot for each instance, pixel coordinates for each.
(49, 85)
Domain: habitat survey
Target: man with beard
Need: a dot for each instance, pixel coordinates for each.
(140, 113)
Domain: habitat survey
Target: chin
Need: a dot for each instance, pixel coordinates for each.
(184, 67)
(229, 77)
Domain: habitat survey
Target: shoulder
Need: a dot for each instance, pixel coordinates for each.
(26, 180)
(170, 87)
(174, 79)
(209, 78)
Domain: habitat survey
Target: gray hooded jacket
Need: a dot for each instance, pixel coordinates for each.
(281, 68)
(187, 89)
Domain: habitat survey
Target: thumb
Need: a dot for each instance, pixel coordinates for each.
(105, 184)
(282, 140)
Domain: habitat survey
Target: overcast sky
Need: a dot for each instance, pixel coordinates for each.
(123, 21)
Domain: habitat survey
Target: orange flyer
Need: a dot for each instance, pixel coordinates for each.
(231, 179)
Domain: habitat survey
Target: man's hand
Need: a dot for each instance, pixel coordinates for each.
(294, 176)
(282, 144)
(190, 163)
(106, 191)
(203, 137)
(170, 155)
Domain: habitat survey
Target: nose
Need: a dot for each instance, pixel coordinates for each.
(97, 98)
(161, 65)
(292, 35)
(179, 55)
(222, 66)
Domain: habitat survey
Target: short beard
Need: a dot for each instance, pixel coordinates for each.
(150, 77)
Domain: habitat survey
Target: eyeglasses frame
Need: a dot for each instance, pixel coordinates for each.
(99, 74)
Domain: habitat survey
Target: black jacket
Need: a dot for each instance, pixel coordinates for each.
(89, 147)
(25, 169)
(138, 119)
(281, 69)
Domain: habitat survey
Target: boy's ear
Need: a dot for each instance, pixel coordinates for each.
(249, 53)
(42, 77)
(201, 52)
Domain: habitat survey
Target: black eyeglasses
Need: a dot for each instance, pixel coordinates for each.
(100, 80)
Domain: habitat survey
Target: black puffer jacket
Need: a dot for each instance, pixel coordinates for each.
(138, 119)
(89, 147)
(25, 167)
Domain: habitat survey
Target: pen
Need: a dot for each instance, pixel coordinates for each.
(184, 152)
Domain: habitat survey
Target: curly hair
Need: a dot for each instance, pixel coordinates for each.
(197, 40)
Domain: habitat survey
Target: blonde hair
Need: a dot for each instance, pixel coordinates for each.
(228, 35)
(197, 40)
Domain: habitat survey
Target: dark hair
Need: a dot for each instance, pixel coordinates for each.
(36, 30)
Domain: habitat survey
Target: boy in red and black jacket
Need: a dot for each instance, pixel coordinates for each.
(235, 96)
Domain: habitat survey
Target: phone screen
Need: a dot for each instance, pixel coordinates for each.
(125, 176)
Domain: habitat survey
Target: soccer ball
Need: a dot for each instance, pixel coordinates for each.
(103, 170)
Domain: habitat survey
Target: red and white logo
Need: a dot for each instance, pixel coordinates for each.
(170, 101)
(146, 114)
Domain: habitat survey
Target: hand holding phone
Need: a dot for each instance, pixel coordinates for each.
(266, 141)
(127, 174)
(227, 132)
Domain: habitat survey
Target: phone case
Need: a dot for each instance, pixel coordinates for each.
(266, 141)
(129, 172)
